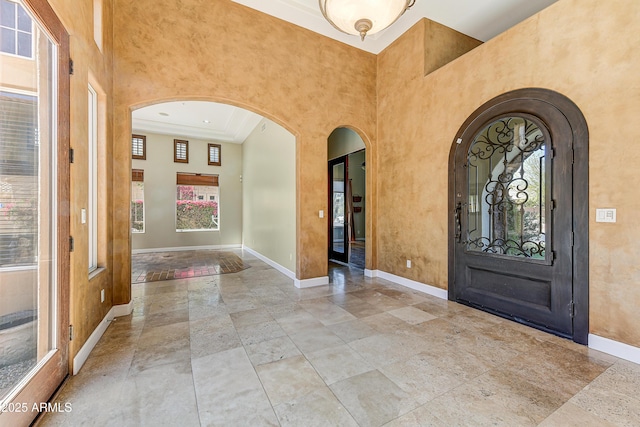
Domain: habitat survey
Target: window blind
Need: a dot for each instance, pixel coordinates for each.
(196, 179)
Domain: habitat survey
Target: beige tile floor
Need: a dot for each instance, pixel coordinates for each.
(249, 349)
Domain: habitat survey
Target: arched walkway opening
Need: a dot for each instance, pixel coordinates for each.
(211, 176)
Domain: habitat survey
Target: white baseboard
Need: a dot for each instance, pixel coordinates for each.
(183, 248)
(290, 274)
(615, 348)
(85, 351)
(310, 283)
(304, 283)
(122, 310)
(95, 336)
(412, 284)
(370, 273)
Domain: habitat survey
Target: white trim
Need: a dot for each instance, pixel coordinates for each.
(95, 336)
(370, 273)
(412, 284)
(15, 91)
(290, 274)
(85, 351)
(18, 268)
(299, 283)
(310, 283)
(184, 248)
(615, 348)
(122, 309)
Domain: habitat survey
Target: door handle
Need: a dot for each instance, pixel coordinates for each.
(458, 231)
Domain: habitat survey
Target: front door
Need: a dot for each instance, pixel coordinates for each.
(338, 222)
(34, 209)
(513, 214)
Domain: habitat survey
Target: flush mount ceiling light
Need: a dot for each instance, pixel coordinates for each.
(362, 17)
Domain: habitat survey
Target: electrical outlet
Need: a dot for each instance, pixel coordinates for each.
(408, 263)
(101, 295)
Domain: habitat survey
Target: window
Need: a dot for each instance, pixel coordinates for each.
(19, 149)
(139, 147)
(93, 179)
(180, 151)
(137, 201)
(16, 34)
(215, 155)
(197, 202)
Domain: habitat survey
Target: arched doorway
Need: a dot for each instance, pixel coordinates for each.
(518, 204)
(347, 194)
(212, 177)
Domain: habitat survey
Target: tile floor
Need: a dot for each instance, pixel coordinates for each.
(249, 349)
(155, 266)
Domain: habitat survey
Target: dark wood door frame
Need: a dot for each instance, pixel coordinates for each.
(580, 197)
(42, 385)
(338, 256)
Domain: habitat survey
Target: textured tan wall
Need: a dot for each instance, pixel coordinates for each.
(224, 52)
(583, 49)
(442, 45)
(85, 307)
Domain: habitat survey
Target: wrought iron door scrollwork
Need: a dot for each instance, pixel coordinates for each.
(507, 189)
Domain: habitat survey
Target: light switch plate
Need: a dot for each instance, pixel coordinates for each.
(321, 214)
(605, 215)
(83, 216)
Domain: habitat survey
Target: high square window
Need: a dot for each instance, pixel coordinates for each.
(215, 155)
(16, 30)
(139, 147)
(180, 151)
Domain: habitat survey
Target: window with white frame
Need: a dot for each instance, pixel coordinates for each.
(137, 201)
(92, 216)
(16, 30)
(197, 202)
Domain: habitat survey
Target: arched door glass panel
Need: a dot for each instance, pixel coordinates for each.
(507, 190)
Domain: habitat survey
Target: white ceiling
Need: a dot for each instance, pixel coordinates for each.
(196, 119)
(481, 19)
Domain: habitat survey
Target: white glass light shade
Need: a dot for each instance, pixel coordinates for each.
(363, 17)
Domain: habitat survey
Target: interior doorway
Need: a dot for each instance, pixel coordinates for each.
(517, 202)
(347, 192)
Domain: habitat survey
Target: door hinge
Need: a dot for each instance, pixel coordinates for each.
(553, 204)
(552, 153)
(71, 243)
(572, 239)
(70, 332)
(573, 155)
(70, 66)
(71, 153)
(553, 256)
(572, 309)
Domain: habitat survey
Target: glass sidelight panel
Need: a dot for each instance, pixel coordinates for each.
(338, 208)
(28, 180)
(508, 189)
